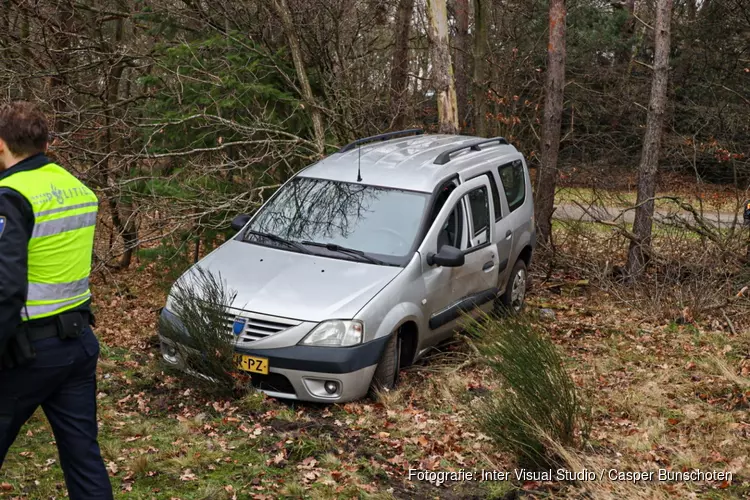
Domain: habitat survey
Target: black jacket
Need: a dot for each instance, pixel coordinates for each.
(16, 232)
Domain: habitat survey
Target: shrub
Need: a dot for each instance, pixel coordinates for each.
(538, 408)
(200, 300)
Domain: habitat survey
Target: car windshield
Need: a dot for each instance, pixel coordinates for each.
(377, 221)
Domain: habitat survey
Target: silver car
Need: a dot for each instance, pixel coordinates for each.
(362, 261)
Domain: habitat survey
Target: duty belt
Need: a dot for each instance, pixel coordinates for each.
(43, 332)
(53, 327)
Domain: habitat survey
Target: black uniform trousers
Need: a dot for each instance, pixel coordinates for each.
(62, 380)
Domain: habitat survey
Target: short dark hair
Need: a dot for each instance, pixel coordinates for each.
(23, 127)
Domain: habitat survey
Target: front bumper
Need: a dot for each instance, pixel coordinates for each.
(301, 372)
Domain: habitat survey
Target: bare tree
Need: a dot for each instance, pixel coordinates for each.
(63, 34)
(400, 62)
(628, 28)
(442, 70)
(482, 11)
(640, 246)
(462, 60)
(121, 211)
(553, 104)
(281, 8)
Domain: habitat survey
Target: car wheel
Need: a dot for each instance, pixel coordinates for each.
(386, 374)
(514, 298)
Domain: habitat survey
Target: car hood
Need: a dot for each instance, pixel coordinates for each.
(292, 285)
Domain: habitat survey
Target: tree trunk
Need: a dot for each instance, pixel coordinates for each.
(442, 71)
(285, 16)
(122, 211)
(553, 104)
(26, 90)
(482, 13)
(65, 30)
(640, 247)
(462, 61)
(400, 64)
(628, 29)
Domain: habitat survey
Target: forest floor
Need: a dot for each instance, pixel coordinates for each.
(664, 394)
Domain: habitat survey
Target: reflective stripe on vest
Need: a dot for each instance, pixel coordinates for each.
(63, 224)
(45, 310)
(62, 240)
(58, 291)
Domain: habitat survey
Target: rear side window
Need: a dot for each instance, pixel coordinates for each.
(495, 195)
(480, 210)
(514, 183)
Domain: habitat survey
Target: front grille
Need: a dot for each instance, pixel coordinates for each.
(257, 326)
(274, 382)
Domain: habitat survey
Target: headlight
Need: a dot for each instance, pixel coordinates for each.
(336, 333)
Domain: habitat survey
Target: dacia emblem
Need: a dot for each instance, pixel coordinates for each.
(239, 325)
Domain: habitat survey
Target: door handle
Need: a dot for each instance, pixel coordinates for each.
(488, 265)
(508, 234)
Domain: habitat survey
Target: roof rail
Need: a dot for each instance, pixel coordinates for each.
(445, 156)
(381, 137)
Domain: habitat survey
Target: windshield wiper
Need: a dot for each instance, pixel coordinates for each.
(333, 247)
(277, 239)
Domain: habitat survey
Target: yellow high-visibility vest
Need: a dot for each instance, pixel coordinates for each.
(62, 241)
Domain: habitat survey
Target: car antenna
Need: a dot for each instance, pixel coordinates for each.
(359, 163)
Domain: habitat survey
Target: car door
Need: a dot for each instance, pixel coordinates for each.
(452, 291)
(519, 215)
(504, 234)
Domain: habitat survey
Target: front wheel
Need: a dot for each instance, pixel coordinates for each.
(513, 300)
(386, 374)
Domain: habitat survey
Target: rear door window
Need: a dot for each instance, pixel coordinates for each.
(498, 211)
(480, 215)
(514, 183)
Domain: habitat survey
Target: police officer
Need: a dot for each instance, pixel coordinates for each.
(48, 352)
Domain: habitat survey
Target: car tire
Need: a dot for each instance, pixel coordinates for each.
(386, 373)
(513, 300)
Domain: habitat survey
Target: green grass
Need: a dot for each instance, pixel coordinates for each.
(170, 462)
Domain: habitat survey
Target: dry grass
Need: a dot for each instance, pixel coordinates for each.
(663, 399)
(665, 360)
(729, 374)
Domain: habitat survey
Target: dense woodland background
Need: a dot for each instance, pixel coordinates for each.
(197, 110)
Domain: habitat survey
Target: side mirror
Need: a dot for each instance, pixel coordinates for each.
(448, 256)
(240, 221)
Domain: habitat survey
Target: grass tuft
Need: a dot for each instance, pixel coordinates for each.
(539, 410)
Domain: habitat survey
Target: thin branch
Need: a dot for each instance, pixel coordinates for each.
(643, 64)
(643, 22)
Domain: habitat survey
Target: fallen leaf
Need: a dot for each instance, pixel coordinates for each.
(187, 475)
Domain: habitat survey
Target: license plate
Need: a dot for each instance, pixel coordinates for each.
(251, 364)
